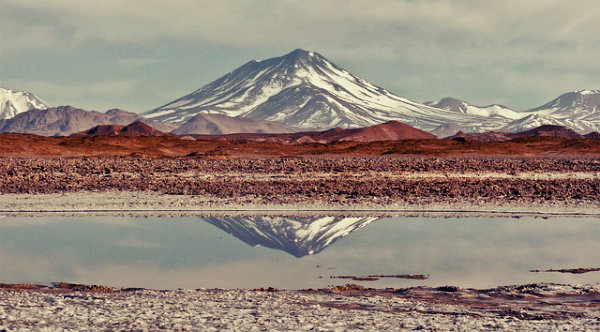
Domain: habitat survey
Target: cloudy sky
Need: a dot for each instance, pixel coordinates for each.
(141, 54)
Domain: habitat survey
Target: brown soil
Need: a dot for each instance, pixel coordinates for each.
(524, 302)
(401, 276)
(579, 270)
(317, 179)
(214, 147)
(381, 276)
(82, 287)
(22, 286)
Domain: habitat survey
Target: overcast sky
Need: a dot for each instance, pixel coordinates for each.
(141, 54)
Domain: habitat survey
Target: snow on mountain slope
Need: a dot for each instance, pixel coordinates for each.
(303, 89)
(297, 236)
(578, 110)
(218, 124)
(581, 105)
(536, 120)
(461, 106)
(16, 102)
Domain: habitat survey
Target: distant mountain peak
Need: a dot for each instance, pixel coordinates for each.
(301, 89)
(300, 53)
(14, 102)
(463, 107)
(66, 120)
(304, 89)
(587, 92)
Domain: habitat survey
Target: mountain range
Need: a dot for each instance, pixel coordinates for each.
(389, 131)
(66, 120)
(541, 131)
(297, 92)
(303, 89)
(578, 110)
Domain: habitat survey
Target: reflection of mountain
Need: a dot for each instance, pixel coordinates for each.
(297, 236)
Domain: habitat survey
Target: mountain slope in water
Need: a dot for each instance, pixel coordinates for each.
(297, 236)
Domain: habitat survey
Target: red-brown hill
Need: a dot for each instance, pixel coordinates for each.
(26, 145)
(548, 131)
(136, 128)
(389, 131)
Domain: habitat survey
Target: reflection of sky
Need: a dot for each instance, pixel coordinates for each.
(191, 253)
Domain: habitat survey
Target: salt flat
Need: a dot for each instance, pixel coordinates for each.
(531, 308)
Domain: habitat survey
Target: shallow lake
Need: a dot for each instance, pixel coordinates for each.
(295, 252)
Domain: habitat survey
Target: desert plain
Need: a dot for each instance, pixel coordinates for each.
(168, 175)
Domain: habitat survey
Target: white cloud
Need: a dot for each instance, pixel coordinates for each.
(385, 24)
(545, 39)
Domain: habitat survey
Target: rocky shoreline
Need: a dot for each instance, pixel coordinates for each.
(540, 307)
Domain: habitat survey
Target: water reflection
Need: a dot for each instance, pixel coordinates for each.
(294, 252)
(295, 235)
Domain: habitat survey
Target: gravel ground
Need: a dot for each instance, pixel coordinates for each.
(154, 204)
(378, 181)
(543, 186)
(529, 308)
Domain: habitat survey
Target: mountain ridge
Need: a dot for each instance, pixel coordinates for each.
(13, 103)
(304, 89)
(66, 120)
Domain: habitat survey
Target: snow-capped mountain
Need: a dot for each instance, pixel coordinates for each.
(583, 105)
(295, 235)
(16, 102)
(461, 106)
(303, 89)
(578, 110)
(534, 120)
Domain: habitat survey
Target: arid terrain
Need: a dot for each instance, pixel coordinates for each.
(538, 307)
(109, 173)
(325, 180)
(236, 146)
